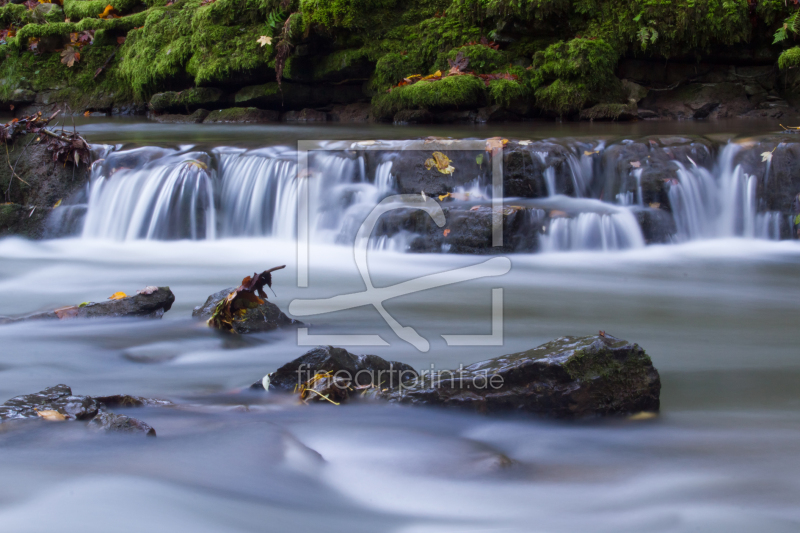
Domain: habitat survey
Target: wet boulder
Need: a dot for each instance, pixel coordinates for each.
(531, 169)
(59, 404)
(355, 370)
(187, 100)
(262, 318)
(413, 176)
(468, 229)
(148, 304)
(570, 377)
(120, 424)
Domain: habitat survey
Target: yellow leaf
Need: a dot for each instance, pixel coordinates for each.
(644, 415)
(197, 164)
(108, 13)
(443, 196)
(437, 74)
(441, 162)
(636, 164)
(58, 203)
(587, 152)
(51, 415)
(118, 296)
(655, 205)
(264, 40)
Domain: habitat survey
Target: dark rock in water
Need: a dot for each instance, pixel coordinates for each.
(121, 424)
(265, 317)
(570, 377)
(58, 398)
(123, 400)
(139, 305)
(412, 176)
(658, 226)
(468, 230)
(359, 370)
(195, 118)
(351, 113)
(58, 403)
(495, 113)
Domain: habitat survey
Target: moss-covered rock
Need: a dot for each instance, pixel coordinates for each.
(242, 114)
(452, 92)
(186, 100)
(612, 112)
(195, 118)
(570, 377)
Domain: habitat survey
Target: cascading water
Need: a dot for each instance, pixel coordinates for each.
(166, 197)
(720, 204)
(156, 193)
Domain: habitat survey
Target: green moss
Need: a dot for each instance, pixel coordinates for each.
(789, 58)
(504, 91)
(447, 93)
(482, 59)
(348, 14)
(393, 67)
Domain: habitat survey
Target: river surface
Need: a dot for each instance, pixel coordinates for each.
(719, 317)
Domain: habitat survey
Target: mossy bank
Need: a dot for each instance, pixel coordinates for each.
(528, 58)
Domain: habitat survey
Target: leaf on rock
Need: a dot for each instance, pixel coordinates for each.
(766, 157)
(197, 164)
(70, 56)
(446, 232)
(441, 162)
(524, 143)
(644, 415)
(588, 153)
(247, 296)
(51, 415)
(150, 289)
(58, 203)
(118, 296)
(474, 208)
(264, 40)
(636, 164)
(479, 159)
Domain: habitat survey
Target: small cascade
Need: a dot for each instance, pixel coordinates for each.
(593, 231)
(258, 194)
(150, 193)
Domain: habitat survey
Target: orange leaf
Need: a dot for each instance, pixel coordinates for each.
(51, 415)
(109, 13)
(87, 113)
(446, 232)
(118, 296)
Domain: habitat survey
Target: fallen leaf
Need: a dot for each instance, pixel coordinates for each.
(443, 196)
(66, 312)
(588, 153)
(58, 203)
(435, 76)
(475, 208)
(479, 159)
(636, 164)
(109, 13)
(197, 164)
(87, 113)
(118, 296)
(150, 289)
(459, 64)
(121, 39)
(441, 162)
(524, 143)
(766, 156)
(83, 304)
(446, 232)
(655, 205)
(51, 415)
(555, 213)
(644, 415)
(70, 56)
(246, 296)
(264, 40)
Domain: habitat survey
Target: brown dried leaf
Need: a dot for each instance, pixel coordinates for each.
(70, 56)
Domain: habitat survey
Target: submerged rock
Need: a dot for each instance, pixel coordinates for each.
(570, 377)
(264, 317)
(59, 404)
(152, 305)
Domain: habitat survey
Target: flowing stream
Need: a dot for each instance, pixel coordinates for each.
(716, 308)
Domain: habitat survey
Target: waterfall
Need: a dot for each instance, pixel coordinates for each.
(593, 231)
(168, 197)
(258, 194)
